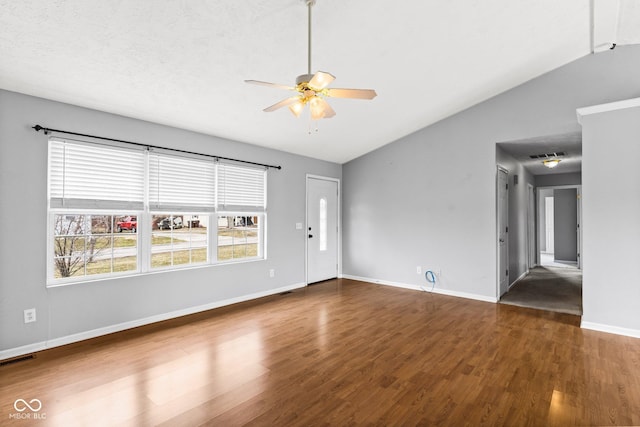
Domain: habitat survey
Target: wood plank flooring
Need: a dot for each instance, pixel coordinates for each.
(338, 353)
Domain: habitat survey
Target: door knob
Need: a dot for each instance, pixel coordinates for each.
(310, 235)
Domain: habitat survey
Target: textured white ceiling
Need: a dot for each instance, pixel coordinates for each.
(183, 62)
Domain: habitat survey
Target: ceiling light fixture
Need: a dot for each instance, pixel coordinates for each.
(312, 88)
(551, 163)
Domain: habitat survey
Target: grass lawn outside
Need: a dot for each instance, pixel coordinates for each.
(166, 259)
(229, 252)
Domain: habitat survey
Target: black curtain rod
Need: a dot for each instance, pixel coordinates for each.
(38, 128)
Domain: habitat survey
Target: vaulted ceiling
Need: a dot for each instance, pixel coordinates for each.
(183, 62)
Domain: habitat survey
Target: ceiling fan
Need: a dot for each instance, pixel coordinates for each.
(312, 88)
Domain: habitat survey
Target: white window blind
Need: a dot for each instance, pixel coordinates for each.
(179, 183)
(87, 175)
(241, 188)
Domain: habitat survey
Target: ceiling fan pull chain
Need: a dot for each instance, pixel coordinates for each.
(311, 121)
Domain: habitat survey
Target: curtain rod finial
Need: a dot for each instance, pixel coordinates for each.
(38, 128)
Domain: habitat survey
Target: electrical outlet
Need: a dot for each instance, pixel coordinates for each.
(30, 315)
(298, 226)
(419, 270)
(272, 273)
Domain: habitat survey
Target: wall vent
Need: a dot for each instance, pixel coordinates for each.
(548, 155)
(17, 359)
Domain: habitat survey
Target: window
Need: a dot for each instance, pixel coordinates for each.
(87, 245)
(117, 210)
(242, 203)
(178, 239)
(322, 215)
(239, 237)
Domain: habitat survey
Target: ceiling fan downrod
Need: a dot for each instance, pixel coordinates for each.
(310, 4)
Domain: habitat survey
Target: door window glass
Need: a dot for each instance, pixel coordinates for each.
(323, 224)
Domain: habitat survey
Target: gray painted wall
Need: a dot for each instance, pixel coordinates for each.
(574, 178)
(518, 250)
(80, 308)
(429, 198)
(611, 220)
(565, 223)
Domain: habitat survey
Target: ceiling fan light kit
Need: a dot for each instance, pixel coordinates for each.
(312, 88)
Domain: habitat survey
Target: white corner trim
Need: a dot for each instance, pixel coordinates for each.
(56, 342)
(635, 333)
(421, 289)
(603, 108)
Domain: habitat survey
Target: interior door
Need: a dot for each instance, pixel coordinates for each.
(503, 231)
(531, 226)
(322, 229)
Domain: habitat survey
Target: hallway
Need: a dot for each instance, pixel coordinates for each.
(548, 288)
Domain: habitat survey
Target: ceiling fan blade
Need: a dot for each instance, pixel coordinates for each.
(283, 103)
(320, 109)
(352, 93)
(320, 80)
(258, 82)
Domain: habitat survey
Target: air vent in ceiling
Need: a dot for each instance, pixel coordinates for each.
(548, 155)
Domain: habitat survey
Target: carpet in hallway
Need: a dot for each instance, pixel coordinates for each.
(548, 288)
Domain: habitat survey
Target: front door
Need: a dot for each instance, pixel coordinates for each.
(322, 229)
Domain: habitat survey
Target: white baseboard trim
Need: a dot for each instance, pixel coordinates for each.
(23, 350)
(635, 333)
(56, 342)
(565, 261)
(421, 289)
(522, 276)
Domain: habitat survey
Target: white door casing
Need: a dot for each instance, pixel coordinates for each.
(322, 229)
(579, 220)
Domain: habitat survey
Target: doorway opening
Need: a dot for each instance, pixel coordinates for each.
(544, 244)
(558, 221)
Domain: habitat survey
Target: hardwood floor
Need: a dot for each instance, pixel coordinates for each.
(338, 353)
